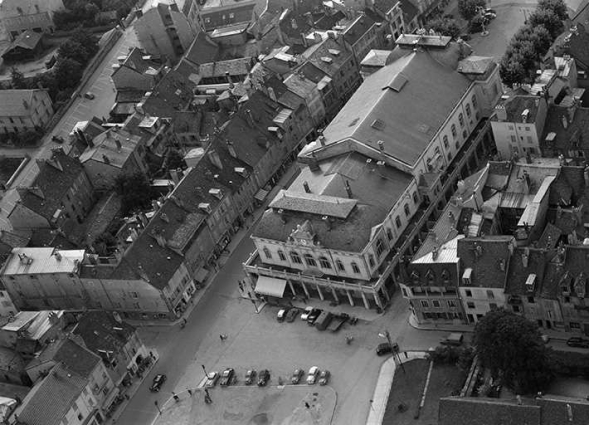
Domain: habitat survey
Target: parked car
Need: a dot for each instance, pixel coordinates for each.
(292, 314)
(312, 375)
(313, 316)
(227, 377)
(281, 314)
(454, 339)
(158, 381)
(250, 377)
(490, 11)
(324, 377)
(89, 95)
(578, 342)
(296, 376)
(263, 377)
(384, 348)
(212, 379)
(489, 16)
(306, 313)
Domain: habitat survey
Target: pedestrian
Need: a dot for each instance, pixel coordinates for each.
(175, 396)
(189, 391)
(221, 337)
(307, 405)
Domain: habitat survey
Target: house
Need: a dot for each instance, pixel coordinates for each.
(368, 175)
(27, 46)
(373, 61)
(364, 34)
(112, 154)
(137, 71)
(173, 93)
(164, 30)
(225, 72)
(60, 196)
(71, 386)
(573, 42)
(115, 341)
(28, 332)
(18, 16)
(23, 110)
(222, 13)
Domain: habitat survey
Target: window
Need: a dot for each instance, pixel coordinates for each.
(389, 234)
(464, 134)
(461, 120)
(133, 294)
(136, 306)
(415, 198)
(80, 416)
(473, 100)
(281, 255)
(527, 128)
(529, 139)
(470, 305)
(340, 265)
(575, 325)
(355, 268)
(531, 300)
(449, 156)
(267, 253)
(468, 293)
(453, 128)
(493, 306)
(380, 247)
(398, 222)
(436, 303)
(490, 294)
(516, 309)
(567, 300)
(467, 108)
(231, 15)
(424, 303)
(451, 303)
(446, 144)
(513, 139)
(406, 208)
(295, 258)
(371, 260)
(310, 260)
(324, 263)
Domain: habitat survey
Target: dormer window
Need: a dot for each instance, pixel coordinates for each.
(415, 277)
(445, 277)
(466, 277)
(431, 277)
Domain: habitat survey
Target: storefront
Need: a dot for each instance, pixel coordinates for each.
(270, 288)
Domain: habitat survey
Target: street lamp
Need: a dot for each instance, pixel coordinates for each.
(394, 348)
(158, 407)
(204, 370)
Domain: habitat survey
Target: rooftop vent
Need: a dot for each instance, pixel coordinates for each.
(203, 206)
(217, 193)
(327, 60)
(378, 124)
(531, 282)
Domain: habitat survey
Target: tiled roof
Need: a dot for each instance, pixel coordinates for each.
(235, 67)
(488, 258)
(129, 96)
(574, 42)
(575, 136)
(51, 399)
(27, 40)
(317, 54)
(581, 15)
(17, 103)
(135, 61)
(76, 358)
(358, 28)
(101, 331)
(550, 237)
(410, 11)
(412, 97)
(187, 122)
(519, 271)
(53, 182)
(106, 150)
(171, 94)
(514, 106)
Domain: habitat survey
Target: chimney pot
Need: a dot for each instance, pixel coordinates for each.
(306, 186)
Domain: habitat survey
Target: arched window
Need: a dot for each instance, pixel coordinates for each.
(446, 144)
(295, 257)
(431, 277)
(355, 268)
(380, 247)
(464, 134)
(310, 260)
(267, 253)
(461, 119)
(467, 107)
(281, 255)
(324, 263)
(445, 276)
(473, 100)
(415, 277)
(340, 265)
(453, 128)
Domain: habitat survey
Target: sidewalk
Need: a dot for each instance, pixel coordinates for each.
(284, 181)
(384, 384)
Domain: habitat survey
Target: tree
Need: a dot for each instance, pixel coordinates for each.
(17, 79)
(67, 73)
(86, 39)
(539, 36)
(548, 19)
(74, 50)
(135, 191)
(557, 6)
(444, 26)
(469, 8)
(511, 347)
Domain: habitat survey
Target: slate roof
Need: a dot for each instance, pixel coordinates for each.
(187, 122)
(313, 204)
(412, 97)
(486, 257)
(376, 58)
(514, 106)
(17, 103)
(443, 267)
(574, 136)
(326, 49)
(475, 65)
(235, 67)
(26, 40)
(174, 92)
(105, 145)
(50, 399)
(53, 183)
(356, 30)
(537, 260)
(135, 61)
(574, 42)
(101, 331)
(550, 237)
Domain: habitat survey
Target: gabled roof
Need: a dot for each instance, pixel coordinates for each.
(106, 149)
(313, 204)
(51, 399)
(572, 136)
(475, 65)
(323, 55)
(412, 98)
(574, 42)
(172, 93)
(202, 50)
(17, 103)
(101, 331)
(376, 58)
(26, 40)
(488, 258)
(139, 62)
(356, 30)
(235, 67)
(525, 262)
(516, 105)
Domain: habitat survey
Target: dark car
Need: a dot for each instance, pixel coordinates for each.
(578, 342)
(296, 376)
(281, 315)
(250, 377)
(227, 377)
(384, 348)
(263, 377)
(158, 381)
(313, 316)
(292, 315)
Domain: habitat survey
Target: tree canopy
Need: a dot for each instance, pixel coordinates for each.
(557, 6)
(512, 348)
(469, 8)
(548, 19)
(135, 191)
(444, 26)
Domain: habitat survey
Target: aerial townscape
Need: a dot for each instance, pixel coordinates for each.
(294, 212)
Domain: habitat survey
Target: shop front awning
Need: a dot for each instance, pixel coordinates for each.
(270, 286)
(261, 195)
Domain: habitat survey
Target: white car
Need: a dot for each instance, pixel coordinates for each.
(212, 379)
(312, 375)
(306, 313)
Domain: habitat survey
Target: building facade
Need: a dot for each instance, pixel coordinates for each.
(24, 110)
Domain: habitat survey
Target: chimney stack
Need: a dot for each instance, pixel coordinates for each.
(501, 112)
(215, 159)
(348, 189)
(381, 145)
(229, 79)
(272, 94)
(306, 186)
(250, 117)
(231, 148)
(118, 143)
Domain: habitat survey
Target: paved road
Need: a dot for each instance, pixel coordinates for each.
(82, 109)
(259, 341)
